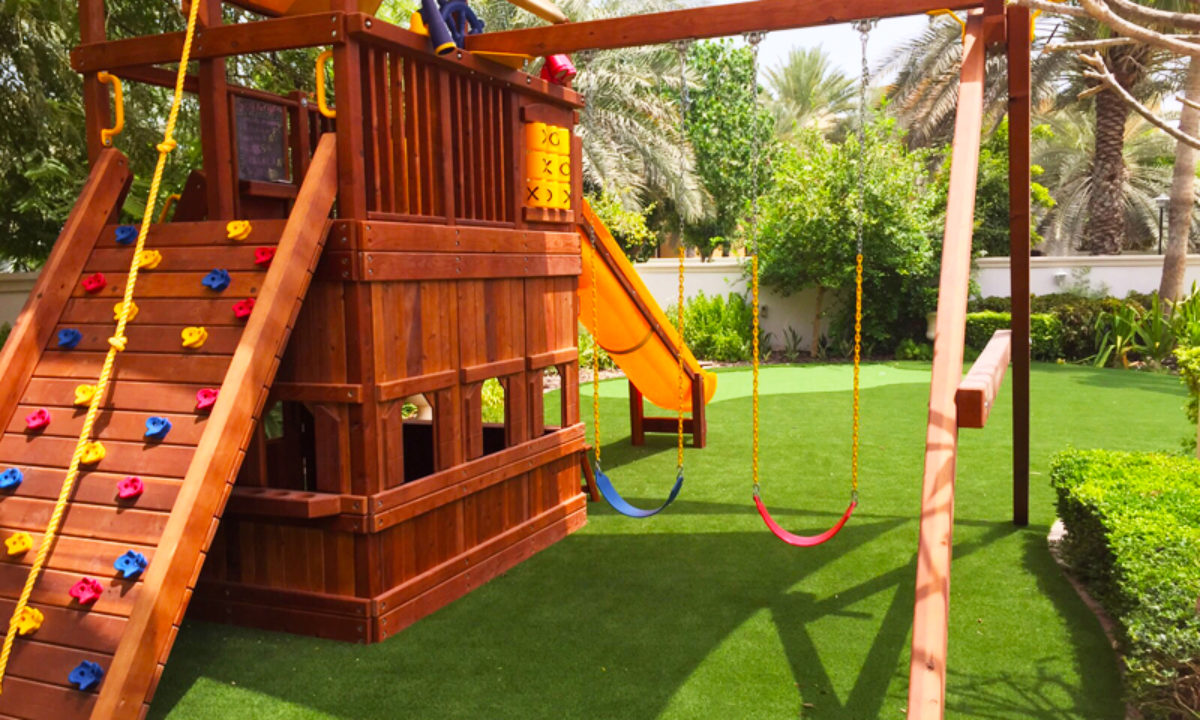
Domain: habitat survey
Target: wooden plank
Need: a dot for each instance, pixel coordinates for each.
(168, 582)
(978, 391)
(216, 125)
(931, 612)
(147, 397)
(185, 285)
(96, 108)
(67, 422)
(87, 556)
(553, 358)
(269, 502)
(318, 392)
(148, 339)
(500, 368)
(209, 313)
(101, 195)
(141, 367)
(284, 618)
(48, 663)
(697, 23)
(122, 457)
(202, 234)
(198, 259)
(380, 236)
(29, 699)
(75, 628)
(405, 387)
(392, 266)
(216, 42)
(99, 488)
(53, 586)
(1019, 211)
(103, 522)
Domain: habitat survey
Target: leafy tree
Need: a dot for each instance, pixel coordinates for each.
(729, 131)
(991, 194)
(628, 227)
(808, 229)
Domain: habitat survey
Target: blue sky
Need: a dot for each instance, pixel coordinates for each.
(841, 42)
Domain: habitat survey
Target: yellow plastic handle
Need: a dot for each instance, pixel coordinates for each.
(957, 19)
(322, 105)
(172, 201)
(107, 135)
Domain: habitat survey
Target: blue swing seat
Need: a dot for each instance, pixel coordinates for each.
(623, 506)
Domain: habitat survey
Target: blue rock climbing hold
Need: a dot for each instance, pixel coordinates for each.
(131, 564)
(11, 478)
(69, 337)
(86, 675)
(217, 280)
(127, 234)
(157, 427)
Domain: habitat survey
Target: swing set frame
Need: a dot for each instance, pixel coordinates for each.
(953, 402)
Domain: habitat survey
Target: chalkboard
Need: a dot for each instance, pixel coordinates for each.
(262, 142)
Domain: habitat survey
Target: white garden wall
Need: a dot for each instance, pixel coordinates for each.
(1113, 275)
(14, 291)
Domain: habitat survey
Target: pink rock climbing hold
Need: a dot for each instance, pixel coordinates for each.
(86, 591)
(206, 398)
(38, 420)
(130, 488)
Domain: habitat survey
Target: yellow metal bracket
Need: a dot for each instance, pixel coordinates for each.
(962, 23)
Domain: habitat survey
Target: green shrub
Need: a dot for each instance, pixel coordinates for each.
(912, 350)
(1045, 333)
(1077, 316)
(1133, 523)
(717, 328)
(587, 346)
(5, 329)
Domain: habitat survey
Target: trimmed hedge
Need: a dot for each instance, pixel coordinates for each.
(1045, 332)
(1077, 316)
(1133, 522)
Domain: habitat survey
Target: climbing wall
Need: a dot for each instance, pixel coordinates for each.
(215, 305)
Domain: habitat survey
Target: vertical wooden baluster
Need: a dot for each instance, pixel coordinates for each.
(399, 138)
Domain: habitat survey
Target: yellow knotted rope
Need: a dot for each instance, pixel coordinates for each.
(116, 345)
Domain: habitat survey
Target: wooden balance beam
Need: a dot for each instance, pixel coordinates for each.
(977, 392)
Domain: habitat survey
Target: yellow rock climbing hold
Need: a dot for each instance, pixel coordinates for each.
(29, 620)
(18, 543)
(133, 311)
(84, 394)
(194, 337)
(93, 453)
(149, 259)
(238, 230)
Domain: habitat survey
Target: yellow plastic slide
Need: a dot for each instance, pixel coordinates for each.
(630, 325)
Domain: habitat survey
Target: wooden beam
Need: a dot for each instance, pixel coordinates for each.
(978, 391)
(699, 23)
(931, 611)
(1019, 181)
(217, 42)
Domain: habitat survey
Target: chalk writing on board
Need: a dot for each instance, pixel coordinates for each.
(262, 142)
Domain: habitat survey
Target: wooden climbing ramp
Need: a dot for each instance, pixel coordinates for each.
(57, 345)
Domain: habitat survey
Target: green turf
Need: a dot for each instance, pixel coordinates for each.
(700, 613)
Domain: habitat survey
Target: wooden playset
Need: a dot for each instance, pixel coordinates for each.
(286, 429)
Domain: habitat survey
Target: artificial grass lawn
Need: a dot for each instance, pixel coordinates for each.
(700, 613)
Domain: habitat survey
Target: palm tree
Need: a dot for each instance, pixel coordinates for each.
(806, 91)
(632, 133)
(1067, 153)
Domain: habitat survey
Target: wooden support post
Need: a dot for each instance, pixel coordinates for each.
(931, 611)
(637, 416)
(96, 108)
(699, 420)
(216, 132)
(1019, 129)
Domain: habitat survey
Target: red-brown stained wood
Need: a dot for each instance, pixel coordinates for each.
(202, 235)
(185, 285)
(147, 338)
(977, 392)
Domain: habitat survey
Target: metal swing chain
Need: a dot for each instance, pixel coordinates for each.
(754, 39)
(681, 47)
(595, 348)
(864, 28)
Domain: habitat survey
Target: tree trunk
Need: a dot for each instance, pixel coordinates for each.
(1104, 233)
(816, 336)
(1183, 192)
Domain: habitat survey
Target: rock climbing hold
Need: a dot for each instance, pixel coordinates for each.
(131, 564)
(86, 591)
(130, 488)
(86, 676)
(242, 310)
(238, 230)
(11, 478)
(133, 311)
(157, 428)
(206, 398)
(149, 259)
(93, 453)
(29, 620)
(84, 394)
(264, 255)
(38, 420)
(69, 337)
(127, 234)
(194, 337)
(18, 543)
(217, 280)
(95, 283)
